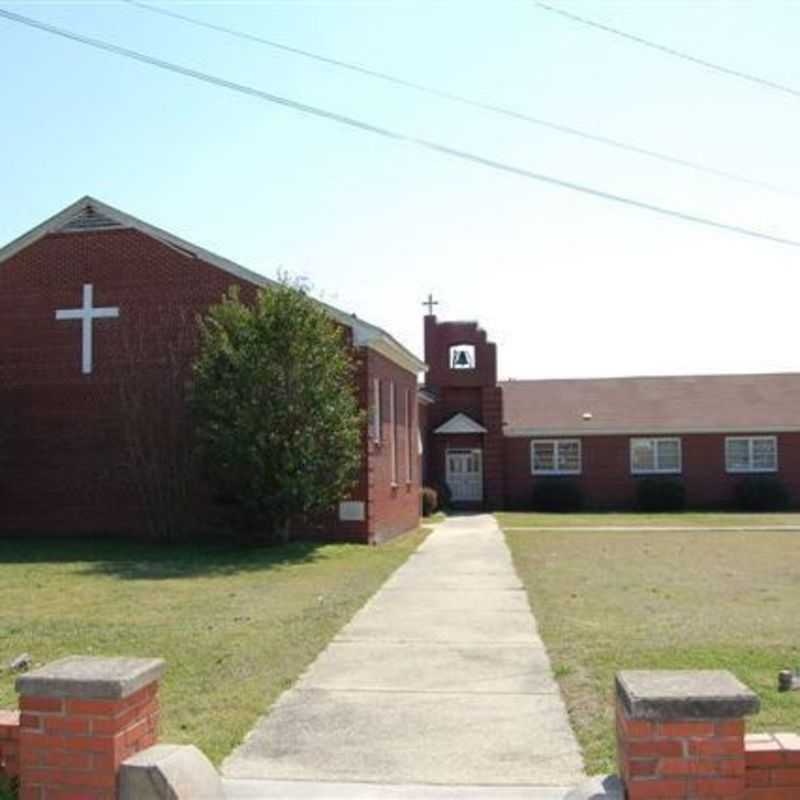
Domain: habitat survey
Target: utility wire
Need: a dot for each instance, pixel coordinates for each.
(385, 132)
(780, 87)
(461, 99)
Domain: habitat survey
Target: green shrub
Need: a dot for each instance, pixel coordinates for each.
(557, 494)
(660, 494)
(430, 501)
(761, 493)
(8, 788)
(276, 418)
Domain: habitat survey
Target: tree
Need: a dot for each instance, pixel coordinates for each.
(152, 380)
(276, 417)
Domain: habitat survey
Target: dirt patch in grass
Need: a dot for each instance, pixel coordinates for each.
(644, 600)
(236, 626)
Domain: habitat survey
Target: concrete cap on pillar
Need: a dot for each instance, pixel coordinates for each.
(91, 677)
(684, 694)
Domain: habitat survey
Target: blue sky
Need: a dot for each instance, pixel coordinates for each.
(568, 285)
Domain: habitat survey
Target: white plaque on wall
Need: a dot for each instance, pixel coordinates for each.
(351, 511)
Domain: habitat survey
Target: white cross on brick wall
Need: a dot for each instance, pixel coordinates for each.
(87, 314)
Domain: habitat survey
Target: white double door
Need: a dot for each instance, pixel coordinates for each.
(464, 475)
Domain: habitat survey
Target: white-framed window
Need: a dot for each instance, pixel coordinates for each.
(556, 457)
(393, 431)
(751, 453)
(375, 415)
(409, 435)
(655, 455)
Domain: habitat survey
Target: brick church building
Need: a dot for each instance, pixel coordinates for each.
(491, 441)
(97, 329)
(97, 324)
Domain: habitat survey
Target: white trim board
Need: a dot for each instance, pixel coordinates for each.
(364, 334)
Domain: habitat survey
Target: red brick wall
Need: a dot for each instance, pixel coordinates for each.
(9, 744)
(772, 766)
(65, 447)
(607, 481)
(393, 509)
(64, 467)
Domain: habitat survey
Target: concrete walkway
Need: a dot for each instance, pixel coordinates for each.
(440, 679)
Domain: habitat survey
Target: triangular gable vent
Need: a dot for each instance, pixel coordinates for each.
(90, 220)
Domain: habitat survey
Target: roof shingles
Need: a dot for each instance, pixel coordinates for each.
(673, 404)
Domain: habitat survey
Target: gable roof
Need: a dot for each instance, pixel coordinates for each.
(667, 404)
(90, 213)
(460, 423)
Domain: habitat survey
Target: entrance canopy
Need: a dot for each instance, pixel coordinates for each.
(460, 423)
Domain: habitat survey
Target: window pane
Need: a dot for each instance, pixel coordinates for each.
(643, 455)
(543, 457)
(569, 459)
(669, 455)
(764, 456)
(737, 454)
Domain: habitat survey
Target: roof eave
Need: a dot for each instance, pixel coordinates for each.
(389, 348)
(651, 431)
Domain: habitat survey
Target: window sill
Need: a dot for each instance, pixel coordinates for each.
(647, 472)
(752, 471)
(555, 473)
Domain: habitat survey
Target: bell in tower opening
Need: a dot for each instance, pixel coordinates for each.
(462, 356)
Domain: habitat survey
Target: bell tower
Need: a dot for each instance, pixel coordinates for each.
(464, 447)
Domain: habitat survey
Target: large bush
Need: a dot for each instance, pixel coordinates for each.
(557, 494)
(430, 501)
(275, 410)
(761, 493)
(660, 494)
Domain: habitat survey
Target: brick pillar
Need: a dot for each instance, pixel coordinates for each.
(493, 443)
(81, 717)
(680, 734)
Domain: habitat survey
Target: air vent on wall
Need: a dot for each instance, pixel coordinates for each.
(90, 220)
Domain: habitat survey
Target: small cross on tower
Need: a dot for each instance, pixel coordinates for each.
(430, 303)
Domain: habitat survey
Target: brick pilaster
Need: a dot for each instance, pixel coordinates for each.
(681, 735)
(80, 719)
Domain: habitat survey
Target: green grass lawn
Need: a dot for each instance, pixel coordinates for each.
(645, 600)
(633, 519)
(236, 626)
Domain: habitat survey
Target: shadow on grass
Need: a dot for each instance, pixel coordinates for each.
(132, 560)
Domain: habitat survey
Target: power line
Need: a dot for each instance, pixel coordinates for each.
(780, 87)
(385, 132)
(461, 99)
